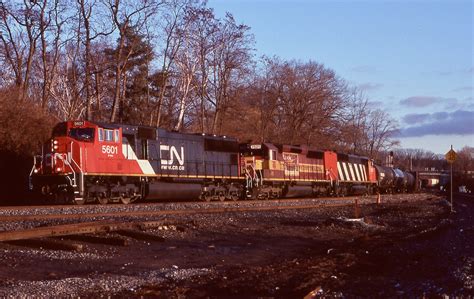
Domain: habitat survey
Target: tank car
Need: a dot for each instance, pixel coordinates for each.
(385, 179)
(410, 182)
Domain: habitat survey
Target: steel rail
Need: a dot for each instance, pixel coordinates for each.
(152, 202)
(204, 206)
(167, 212)
(109, 226)
(75, 229)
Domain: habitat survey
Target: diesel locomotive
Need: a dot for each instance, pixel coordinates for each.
(99, 162)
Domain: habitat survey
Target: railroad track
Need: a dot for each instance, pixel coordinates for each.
(101, 226)
(161, 209)
(86, 206)
(169, 212)
(99, 222)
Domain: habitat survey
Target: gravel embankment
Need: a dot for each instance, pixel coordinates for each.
(282, 254)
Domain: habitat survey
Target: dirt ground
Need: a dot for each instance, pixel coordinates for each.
(413, 248)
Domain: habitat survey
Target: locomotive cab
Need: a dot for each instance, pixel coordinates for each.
(57, 172)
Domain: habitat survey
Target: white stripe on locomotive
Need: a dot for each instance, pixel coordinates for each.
(351, 171)
(346, 173)
(364, 174)
(145, 165)
(339, 171)
(357, 171)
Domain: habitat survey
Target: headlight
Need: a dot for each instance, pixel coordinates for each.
(55, 142)
(55, 147)
(58, 169)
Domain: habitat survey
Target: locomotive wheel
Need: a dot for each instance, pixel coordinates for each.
(78, 201)
(221, 196)
(125, 200)
(206, 196)
(102, 199)
(234, 196)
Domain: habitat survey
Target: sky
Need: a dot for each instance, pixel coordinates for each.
(413, 59)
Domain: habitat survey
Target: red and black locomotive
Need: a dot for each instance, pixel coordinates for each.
(98, 162)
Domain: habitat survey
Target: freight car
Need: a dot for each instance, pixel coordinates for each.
(393, 180)
(99, 162)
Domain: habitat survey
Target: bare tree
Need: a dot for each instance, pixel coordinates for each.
(230, 62)
(186, 64)
(52, 23)
(354, 122)
(303, 100)
(124, 16)
(66, 86)
(174, 29)
(465, 159)
(381, 130)
(20, 31)
(92, 29)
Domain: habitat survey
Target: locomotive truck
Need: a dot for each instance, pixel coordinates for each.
(100, 162)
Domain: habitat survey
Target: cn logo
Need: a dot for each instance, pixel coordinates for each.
(172, 153)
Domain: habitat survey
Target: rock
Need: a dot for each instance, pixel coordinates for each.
(314, 293)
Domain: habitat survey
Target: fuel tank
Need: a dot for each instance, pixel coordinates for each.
(299, 191)
(166, 190)
(359, 190)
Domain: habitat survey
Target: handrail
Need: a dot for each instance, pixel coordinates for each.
(34, 166)
(71, 166)
(72, 159)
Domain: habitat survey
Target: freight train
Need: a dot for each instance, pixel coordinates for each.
(100, 162)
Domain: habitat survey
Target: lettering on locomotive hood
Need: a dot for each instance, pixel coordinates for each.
(171, 159)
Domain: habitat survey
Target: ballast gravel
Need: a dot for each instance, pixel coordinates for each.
(409, 246)
(96, 285)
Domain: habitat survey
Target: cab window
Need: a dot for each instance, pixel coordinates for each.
(82, 134)
(272, 155)
(117, 135)
(109, 135)
(101, 134)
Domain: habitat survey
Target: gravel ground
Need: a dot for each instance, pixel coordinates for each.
(411, 246)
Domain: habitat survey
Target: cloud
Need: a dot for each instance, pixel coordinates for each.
(459, 122)
(424, 101)
(469, 102)
(416, 118)
(440, 115)
(364, 69)
(420, 101)
(369, 86)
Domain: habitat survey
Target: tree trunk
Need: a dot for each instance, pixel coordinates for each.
(118, 77)
(98, 83)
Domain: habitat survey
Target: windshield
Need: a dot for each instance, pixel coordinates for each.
(82, 134)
